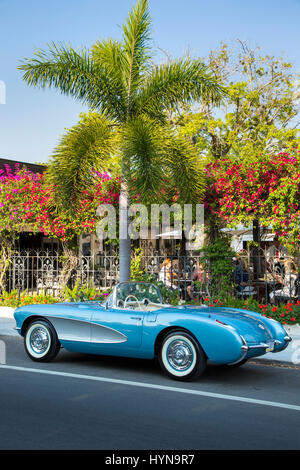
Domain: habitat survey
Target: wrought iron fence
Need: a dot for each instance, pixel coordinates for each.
(33, 271)
(259, 277)
(42, 271)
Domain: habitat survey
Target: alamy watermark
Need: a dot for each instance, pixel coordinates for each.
(173, 221)
(2, 352)
(2, 92)
(296, 354)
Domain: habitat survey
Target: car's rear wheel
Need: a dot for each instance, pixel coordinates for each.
(41, 342)
(181, 357)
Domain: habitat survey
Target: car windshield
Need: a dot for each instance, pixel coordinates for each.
(137, 295)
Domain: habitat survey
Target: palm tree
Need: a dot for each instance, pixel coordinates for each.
(131, 95)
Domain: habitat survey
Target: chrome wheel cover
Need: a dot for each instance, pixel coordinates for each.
(180, 355)
(38, 340)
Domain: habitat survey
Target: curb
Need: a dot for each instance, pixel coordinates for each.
(274, 363)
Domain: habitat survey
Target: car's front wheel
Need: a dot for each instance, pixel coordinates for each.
(181, 357)
(41, 342)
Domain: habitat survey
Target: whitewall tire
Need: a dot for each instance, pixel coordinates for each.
(181, 357)
(40, 341)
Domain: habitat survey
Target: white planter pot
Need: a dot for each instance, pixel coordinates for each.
(7, 312)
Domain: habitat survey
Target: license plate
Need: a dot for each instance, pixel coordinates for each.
(270, 348)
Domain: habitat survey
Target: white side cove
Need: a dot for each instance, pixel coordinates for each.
(80, 330)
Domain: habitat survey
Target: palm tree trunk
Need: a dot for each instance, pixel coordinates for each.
(125, 245)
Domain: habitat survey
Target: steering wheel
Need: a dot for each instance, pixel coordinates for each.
(134, 297)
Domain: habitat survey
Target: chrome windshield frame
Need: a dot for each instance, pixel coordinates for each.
(113, 296)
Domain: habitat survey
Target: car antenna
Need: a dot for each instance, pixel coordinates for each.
(209, 304)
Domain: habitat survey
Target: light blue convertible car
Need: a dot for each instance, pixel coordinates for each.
(134, 322)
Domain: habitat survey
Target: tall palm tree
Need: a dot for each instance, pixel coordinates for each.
(131, 96)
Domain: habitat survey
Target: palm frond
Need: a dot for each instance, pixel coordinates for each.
(136, 39)
(185, 168)
(109, 55)
(182, 81)
(158, 159)
(87, 146)
(141, 144)
(75, 74)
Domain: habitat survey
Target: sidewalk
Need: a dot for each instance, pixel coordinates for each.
(7, 322)
(290, 356)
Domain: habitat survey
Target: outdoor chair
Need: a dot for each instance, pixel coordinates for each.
(284, 295)
(247, 291)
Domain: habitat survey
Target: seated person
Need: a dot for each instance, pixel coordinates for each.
(241, 275)
(275, 256)
(242, 279)
(167, 274)
(199, 275)
(288, 281)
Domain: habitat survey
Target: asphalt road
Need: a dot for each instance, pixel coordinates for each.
(92, 402)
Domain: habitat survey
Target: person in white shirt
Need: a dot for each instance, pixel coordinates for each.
(167, 274)
(288, 282)
(275, 256)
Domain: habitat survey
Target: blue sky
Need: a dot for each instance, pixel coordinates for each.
(32, 120)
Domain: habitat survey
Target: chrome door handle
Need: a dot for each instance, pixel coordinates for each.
(136, 318)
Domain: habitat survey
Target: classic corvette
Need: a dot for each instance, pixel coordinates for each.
(135, 322)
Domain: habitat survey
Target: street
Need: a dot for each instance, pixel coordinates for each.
(92, 402)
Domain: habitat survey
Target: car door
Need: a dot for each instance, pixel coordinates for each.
(116, 330)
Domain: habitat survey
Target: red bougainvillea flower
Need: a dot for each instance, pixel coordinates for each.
(267, 188)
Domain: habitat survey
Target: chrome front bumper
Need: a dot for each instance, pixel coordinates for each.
(268, 347)
(271, 345)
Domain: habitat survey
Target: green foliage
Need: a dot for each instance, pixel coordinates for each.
(217, 256)
(76, 74)
(15, 299)
(87, 146)
(137, 272)
(169, 296)
(161, 163)
(80, 293)
(258, 113)
(83, 293)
